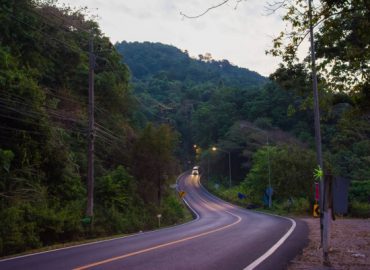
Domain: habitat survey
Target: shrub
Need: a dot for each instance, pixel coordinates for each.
(359, 209)
(359, 191)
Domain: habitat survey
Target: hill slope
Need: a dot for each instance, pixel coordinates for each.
(148, 60)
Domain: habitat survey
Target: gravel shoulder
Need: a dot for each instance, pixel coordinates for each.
(349, 246)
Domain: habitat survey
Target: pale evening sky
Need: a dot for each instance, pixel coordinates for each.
(239, 35)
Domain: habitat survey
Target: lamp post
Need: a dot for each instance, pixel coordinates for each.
(268, 159)
(269, 166)
(228, 152)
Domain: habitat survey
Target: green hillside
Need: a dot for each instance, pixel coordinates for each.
(44, 65)
(212, 103)
(150, 60)
(158, 112)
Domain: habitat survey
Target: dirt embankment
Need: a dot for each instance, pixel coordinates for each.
(349, 246)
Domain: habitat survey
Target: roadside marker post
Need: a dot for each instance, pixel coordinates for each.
(159, 220)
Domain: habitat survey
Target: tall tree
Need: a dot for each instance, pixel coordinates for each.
(342, 41)
(153, 161)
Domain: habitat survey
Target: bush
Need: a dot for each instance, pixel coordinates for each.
(359, 191)
(359, 209)
(291, 173)
(172, 210)
(16, 232)
(300, 206)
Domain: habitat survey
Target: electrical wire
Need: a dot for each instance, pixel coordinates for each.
(108, 136)
(74, 49)
(22, 130)
(106, 129)
(56, 16)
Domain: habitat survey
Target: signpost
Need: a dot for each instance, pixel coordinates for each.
(159, 220)
(316, 207)
(182, 194)
(316, 210)
(241, 196)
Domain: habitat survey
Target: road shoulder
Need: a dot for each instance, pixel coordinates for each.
(291, 248)
(350, 245)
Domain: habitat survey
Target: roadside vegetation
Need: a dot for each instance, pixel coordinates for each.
(43, 135)
(160, 111)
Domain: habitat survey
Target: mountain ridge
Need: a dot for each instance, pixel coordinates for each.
(148, 59)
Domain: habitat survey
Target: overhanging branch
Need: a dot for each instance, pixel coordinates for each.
(206, 11)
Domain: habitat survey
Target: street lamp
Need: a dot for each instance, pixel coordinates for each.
(228, 152)
(268, 159)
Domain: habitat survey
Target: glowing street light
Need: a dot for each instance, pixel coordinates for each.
(268, 160)
(228, 152)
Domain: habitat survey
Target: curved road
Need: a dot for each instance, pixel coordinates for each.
(222, 236)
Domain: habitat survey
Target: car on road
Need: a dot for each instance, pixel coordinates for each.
(195, 170)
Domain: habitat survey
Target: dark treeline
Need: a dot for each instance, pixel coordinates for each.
(44, 63)
(158, 108)
(240, 112)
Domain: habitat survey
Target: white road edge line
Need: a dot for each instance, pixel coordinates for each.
(269, 252)
(273, 248)
(187, 204)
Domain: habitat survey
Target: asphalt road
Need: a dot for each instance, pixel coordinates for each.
(222, 236)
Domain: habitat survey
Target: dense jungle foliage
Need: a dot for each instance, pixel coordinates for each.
(44, 63)
(253, 117)
(239, 117)
(158, 108)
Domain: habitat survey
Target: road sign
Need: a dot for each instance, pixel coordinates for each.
(269, 191)
(317, 191)
(241, 196)
(316, 210)
(86, 220)
(182, 194)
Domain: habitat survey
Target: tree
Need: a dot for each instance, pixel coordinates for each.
(153, 161)
(341, 41)
(291, 172)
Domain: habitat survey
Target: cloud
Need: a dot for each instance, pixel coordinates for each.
(240, 35)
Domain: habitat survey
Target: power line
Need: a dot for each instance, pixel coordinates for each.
(39, 115)
(22, 130)
(44, 34)
(56, 16)
(108, 135)
(147, 109)
(108, 141)
(49, 92)
(35, 115)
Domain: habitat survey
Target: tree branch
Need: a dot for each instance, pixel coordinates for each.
(271, 8)
(206, 11)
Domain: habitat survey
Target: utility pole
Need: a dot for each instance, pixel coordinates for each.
(269, 168)
(324, 215)
(207, 166)
(229, 153)
(91, 134)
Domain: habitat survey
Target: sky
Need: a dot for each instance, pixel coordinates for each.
(239, 34)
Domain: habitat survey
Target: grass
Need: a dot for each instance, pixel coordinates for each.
(64, 245)
(299, 207)
(187, 218)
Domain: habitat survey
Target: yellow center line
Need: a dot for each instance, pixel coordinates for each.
(159, 246)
